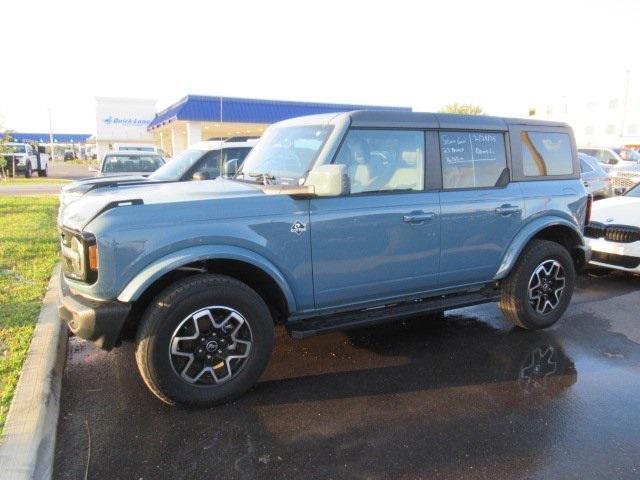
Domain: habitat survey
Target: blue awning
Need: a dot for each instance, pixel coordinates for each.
(198, 108)
(44, 137)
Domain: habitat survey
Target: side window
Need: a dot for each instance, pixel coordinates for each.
(235, 153)
(472, 159)
(209, 163)
(585, 167)
(383, 160)
(546, 154)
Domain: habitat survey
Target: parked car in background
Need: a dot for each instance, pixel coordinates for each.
(129, 163)
(334, 221)
(624, 173)
(595, 179)
(139, 147)
(204, 160)
(26, 159)
(69, 155)
(614, 232)
(628, 154)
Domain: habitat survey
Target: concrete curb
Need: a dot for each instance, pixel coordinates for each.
(28, 440)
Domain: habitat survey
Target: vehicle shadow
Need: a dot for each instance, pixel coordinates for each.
(455, 351)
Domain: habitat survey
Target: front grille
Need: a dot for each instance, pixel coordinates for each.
(613, 233)
(595, 230)
(626, 177)
(624, 261)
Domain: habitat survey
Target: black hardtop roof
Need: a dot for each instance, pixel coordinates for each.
(376, 118)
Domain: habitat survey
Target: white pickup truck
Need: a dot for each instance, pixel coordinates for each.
(22, 158)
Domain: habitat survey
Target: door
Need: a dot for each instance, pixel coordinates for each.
(383, 240)
(481, 209)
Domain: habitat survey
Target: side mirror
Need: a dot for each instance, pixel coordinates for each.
(619, 191)
(329, 180)
(230, 168)
(612, 161)
(201, 176)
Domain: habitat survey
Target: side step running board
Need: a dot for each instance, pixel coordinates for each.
(344, 321)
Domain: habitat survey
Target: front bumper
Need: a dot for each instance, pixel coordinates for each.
(98, 321)
(615, 255)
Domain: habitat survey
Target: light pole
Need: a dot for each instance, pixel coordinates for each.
(50, 134)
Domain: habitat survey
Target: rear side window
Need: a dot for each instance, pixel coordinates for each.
(472, 159)
(546, 154)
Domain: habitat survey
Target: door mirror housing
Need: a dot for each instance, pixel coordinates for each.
(201, 176)
(328, 180)
(612, 161)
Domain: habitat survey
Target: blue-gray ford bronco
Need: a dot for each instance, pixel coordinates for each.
(334, 221)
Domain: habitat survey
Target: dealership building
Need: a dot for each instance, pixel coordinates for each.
(121, 121)
(135, 123)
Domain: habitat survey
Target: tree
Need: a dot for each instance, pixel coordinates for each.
(463, 108)
(4, 138)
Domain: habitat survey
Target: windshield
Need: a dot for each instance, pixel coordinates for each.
(131, 163)
(634, 192)
(284, 154)
(178, 165)
(16, 148)
(628, 154)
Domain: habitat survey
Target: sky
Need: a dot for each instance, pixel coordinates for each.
(502, 55)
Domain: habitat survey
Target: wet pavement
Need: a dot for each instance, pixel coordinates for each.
(464, 397)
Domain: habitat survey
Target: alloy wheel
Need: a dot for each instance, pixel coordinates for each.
(210, 346)
(546, 286)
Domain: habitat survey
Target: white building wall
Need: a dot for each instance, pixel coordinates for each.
(607, 120)
(123, 120)
(194, 133)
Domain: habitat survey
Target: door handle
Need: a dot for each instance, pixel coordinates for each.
(419, 217)
(508, 210)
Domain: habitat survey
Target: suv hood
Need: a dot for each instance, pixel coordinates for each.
(78, 214)
(103, 181)
(617, 210)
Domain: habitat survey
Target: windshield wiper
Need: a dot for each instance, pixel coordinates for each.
(263, 178)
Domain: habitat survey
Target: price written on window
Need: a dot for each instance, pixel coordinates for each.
(466, 147)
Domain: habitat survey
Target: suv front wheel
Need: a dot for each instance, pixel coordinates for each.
(539, 288)
(204, 340)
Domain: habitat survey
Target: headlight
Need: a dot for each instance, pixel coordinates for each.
(79, 255)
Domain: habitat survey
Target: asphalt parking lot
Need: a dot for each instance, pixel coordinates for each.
(57, 169)
(463, 397)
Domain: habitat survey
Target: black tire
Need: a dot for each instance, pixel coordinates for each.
(514, 290)
(27, 170)
(170, 309)
(44, 172)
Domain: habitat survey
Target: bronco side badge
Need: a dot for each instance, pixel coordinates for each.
(298, 228)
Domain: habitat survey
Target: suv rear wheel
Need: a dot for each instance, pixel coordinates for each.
(539, 288)
(204, 340)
